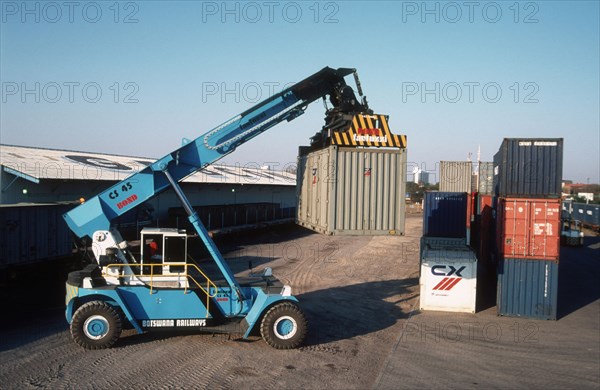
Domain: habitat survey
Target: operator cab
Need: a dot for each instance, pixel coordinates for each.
(163, 251)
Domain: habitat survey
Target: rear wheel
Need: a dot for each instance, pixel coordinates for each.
(284, 326)
(96, 325)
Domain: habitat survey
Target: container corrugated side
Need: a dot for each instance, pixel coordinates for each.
(529, 228)
(528, 288)
(31, 233)
(355, 191)
(486, 178)
(529, 167)
(369, 191)
(455, 176)
(315, 180)
(445, 214)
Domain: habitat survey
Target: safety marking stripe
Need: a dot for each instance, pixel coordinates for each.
(72, 292)
(393, 138)
(386, 131)
(354, 123)
(345, 139)
(361, 119)
(338, 140)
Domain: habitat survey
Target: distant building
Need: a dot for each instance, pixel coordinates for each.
(586, 195)
(36, 175)
(420, 176)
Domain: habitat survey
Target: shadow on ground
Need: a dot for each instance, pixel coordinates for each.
(578, 276)
(333, 314)
(29, 327)
(341, 313)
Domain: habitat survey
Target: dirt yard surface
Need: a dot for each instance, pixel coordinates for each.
(356, 293)
(360, 295)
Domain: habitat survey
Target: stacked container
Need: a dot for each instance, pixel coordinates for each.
(448, 266)
(445, 214)
(527, 184)
(485, 178)
(448, 278)
(456, 176)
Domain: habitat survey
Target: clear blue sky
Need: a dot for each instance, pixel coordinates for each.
(166, 74)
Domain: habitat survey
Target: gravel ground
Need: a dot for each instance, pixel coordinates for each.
(360, 295)
(356, 293)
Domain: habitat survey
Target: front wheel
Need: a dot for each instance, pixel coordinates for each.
(284, 326)
(96, 325)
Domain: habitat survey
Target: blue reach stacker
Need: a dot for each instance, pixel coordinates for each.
(161, 287)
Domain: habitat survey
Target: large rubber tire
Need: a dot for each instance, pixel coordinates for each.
(96, 325)
(284, 326)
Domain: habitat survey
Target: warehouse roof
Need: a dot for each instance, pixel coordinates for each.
(37, 164)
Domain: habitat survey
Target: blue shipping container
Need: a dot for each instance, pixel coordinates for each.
(529, 168)
(528, 288)
(445, 214)
(589, 214)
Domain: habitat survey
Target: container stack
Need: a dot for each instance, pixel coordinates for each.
(527, 185)
(459, 176)
(448, 266)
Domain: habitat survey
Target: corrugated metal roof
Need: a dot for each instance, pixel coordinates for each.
(39, 164)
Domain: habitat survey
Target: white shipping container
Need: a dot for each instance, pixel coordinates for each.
(448, 279)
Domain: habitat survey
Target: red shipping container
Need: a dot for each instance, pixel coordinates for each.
(529, 228)
(471, 208)
(470, 217)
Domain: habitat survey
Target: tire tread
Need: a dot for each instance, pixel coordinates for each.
(91, 308)
(266, 326)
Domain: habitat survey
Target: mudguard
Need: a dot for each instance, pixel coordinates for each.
(107, 294)
(262, 303)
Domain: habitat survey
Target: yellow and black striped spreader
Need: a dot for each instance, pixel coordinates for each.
(368, 130)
